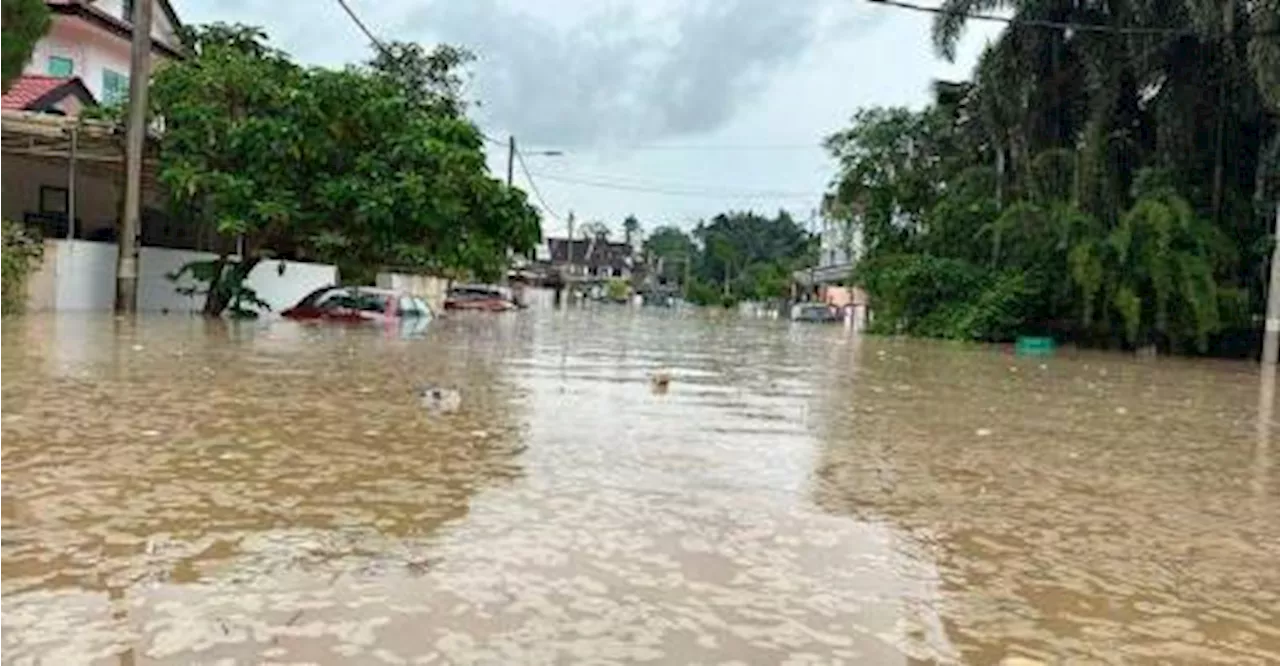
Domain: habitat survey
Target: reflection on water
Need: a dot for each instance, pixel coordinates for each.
(177, 491)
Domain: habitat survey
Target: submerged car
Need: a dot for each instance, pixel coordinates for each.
(817, 313)
(359, 304)
(479, 297)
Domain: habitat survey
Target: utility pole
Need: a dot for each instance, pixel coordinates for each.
(1271, 333)
(568, 258)
(511, 159)
(135, 143)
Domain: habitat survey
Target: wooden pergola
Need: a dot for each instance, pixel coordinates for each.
(85, 146)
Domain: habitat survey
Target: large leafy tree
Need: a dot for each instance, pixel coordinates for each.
(671, 250)
(431, 78)
(353, 166)
(1113, 183)
(751, 256)
(24, 23)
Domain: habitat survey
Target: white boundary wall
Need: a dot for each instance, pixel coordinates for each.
(84, 278)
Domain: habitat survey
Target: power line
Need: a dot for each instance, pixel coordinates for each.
(363, 28)
(722, 194)
(1038, 23)
(534, 187)
(712, 147)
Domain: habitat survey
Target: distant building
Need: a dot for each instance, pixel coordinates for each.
(591, 258)
(829, 281)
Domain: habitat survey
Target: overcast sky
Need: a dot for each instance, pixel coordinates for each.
(719, 104)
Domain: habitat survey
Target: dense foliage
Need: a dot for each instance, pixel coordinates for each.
(1115, 188)
(24, 23)
(19, 256)
(364, 166)
(732, 257)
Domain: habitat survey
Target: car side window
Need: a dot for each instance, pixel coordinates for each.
(408, 308)
(423, 308)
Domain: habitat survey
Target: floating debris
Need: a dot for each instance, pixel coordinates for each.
(660, 381)
(439, 399)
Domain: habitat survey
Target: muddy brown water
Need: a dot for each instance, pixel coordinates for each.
(177, 492)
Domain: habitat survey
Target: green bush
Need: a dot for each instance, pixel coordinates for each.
(21, 255)
(617, 290)
(921, 294)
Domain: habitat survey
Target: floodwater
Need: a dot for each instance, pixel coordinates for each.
(177, 491)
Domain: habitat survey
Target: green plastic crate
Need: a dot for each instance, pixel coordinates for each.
(1028, 345)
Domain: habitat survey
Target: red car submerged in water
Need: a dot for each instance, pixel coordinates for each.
(479, 297)
(358, 304)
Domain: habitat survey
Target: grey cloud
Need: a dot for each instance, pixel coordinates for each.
(617, 76)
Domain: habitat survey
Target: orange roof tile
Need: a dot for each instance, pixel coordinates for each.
(29, 88)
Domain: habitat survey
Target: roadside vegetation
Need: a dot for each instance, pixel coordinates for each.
(1104, 187)
(364, 166)
(733, 257)
(19, 256)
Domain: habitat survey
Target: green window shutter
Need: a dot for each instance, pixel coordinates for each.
(59, 66)
(115, 87)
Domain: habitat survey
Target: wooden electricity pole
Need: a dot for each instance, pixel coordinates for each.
(511, 159)
(135, 144)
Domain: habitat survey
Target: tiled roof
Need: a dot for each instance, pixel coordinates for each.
(29, 88)
(590, 251)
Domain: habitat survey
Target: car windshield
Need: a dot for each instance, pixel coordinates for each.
(311, 299)
(355, 300)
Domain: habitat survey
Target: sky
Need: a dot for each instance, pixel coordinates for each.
(668, 110)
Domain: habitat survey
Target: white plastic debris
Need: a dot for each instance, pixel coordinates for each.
(982, 432)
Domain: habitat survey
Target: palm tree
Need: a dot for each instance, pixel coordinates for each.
(630, 227)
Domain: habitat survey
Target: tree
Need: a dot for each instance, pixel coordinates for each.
(630, 227)
(672, 250)
(429, 78)
(751, 256)
(25, 22)
(1030, 184)
(343, 165)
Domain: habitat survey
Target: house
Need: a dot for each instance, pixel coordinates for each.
(590, 258)
(90, 41)
(839, 247)
(66, 177)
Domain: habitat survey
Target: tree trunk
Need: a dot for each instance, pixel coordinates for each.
(227, 280)
(215, 301)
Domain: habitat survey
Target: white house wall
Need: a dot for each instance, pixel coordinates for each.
(161, 28)
(84, 278)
